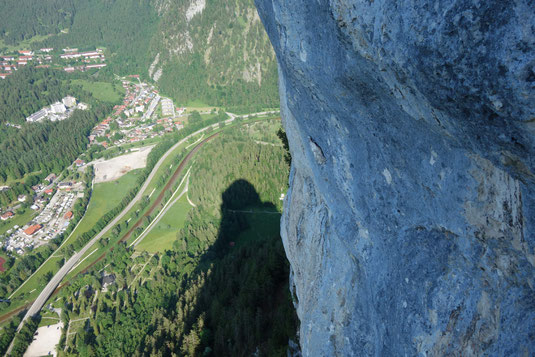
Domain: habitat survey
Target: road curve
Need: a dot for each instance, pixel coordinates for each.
(56, 279)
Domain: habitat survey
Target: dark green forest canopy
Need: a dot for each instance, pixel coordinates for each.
(30, 89)
(43, 147)
(46, 146)
(23, 19)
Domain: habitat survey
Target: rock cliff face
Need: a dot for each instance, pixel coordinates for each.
(410, 219)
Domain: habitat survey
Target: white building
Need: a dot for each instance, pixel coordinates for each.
(168, 109)
(58, 108)
(37, 116)
(82, 106)
(69, 101)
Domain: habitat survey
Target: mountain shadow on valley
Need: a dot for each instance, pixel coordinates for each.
(243, 304)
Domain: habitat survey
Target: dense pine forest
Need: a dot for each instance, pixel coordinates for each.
(222, 289)
(34, 150)
(47, 146)
(42, 18)
(30, 89)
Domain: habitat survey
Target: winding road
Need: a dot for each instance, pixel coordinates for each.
(64, 270)
(56, 279)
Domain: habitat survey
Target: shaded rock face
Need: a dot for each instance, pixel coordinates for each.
(410, 219)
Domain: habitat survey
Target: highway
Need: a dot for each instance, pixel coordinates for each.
(58, 277)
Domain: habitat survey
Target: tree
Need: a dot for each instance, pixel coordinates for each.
(194, 117)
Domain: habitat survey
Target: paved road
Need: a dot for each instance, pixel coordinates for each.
(56, 279)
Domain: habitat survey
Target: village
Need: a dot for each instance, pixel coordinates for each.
(143, 114)
(54, 203)
(68, 59)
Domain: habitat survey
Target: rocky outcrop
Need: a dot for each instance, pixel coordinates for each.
(410, 219)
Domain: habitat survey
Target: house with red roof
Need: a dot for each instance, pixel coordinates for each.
(32, 229)
(7, 216)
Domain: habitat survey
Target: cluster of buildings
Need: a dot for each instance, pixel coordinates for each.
(11, 62)
(137, 116)
(71, 69)
(74, 54)
(57, 111)
(51, 221)
(83, 61)
(168, 109)
(70, 60)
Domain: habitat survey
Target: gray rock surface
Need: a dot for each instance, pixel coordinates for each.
(410, 219)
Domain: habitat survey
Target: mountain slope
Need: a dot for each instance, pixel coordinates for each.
(217, 51)
(197, 50)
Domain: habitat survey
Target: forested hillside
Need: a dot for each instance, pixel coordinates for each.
(219, 53)
(222, 290)
(23, 19)
(31, 89)
(215, 52)
(124, 27)
(46, 146)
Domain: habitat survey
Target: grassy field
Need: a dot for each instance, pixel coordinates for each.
(198, 106)
(105, 197)
(162, 236)
(261, 224)
(24, 45)
(103, 91)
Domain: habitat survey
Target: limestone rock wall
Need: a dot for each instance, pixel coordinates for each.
(410, 219)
